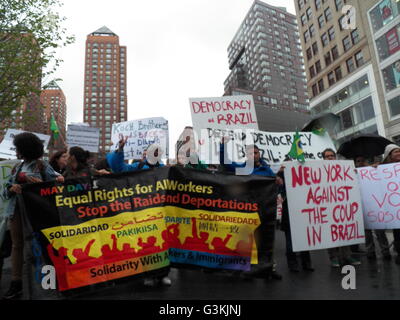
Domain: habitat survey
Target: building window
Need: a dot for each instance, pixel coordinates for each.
(335, 53)
(346, 119)
(331, 78)
(339, 4)
(312, 72)
(309, 54)
(321, 87)
(331, 33)
(318, 67)
(359, 59)
(346, 43)
(384, 13)
(328, 59)
(315, 90)
(355, 37)
(391, 76)
(324, 40)
(309, 13)
(306, 36)
(312, 31)
(328, 14)
(350, 65)
(389, 43)
(338, 73)
(315, 48)
(394, 106)
(303, 19)
(321, 21)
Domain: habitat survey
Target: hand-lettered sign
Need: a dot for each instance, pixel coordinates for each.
(274, 146)
(380, 190)
(325, 208)
(141, 134)
(7, 148)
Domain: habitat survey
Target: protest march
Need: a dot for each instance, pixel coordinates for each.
(138, 212)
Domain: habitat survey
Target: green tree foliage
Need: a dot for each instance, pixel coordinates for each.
(30, 32)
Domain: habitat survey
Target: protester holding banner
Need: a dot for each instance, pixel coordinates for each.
(254, 162)
(151, 159)
(77, 165)
(392, 155)
(188, 158)
(291, 256)
(59, 161)
(30, 149)
(265, 234)
(340, 255)
(360, 162)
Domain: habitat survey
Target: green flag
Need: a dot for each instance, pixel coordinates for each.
(319, 132)
(297, 149)
(54, 128)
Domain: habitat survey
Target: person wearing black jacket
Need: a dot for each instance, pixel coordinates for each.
(285, 226)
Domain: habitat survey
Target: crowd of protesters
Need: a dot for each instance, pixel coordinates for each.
(74, 162)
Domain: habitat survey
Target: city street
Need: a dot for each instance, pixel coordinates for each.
(378, 280)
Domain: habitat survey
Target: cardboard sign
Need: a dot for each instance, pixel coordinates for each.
(86, 137)
(380, 190)
(7, 148)
(141, 134)
(325, 208)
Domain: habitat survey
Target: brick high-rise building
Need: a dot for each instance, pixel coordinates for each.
(105, 96)
(30, 116)
(265, 58)
(54, 101)
(343, 72)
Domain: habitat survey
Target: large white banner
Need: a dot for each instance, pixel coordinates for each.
(7, 148)
(141, 134)
(325, 208)
(86, 137)
(274, 146)
(380, 191)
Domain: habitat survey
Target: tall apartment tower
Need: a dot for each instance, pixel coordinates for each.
(343, 75)
(53, 99)
(265, 58)
(105, 96)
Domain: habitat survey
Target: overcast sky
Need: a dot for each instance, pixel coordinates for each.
(177, 49)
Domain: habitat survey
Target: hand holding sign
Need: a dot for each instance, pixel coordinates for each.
(16, 188)
(122, 143)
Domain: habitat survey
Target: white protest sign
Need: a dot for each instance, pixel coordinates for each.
(324, 201)
(380, 191)
(7, 148)
(232, 112)
(141, 134)
(273, 146)
(86, 137)
(225, 113)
